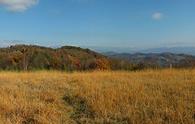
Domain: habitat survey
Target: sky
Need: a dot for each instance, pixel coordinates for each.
(106, 23)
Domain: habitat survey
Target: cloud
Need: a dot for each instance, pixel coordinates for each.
(18, 5)
(157, 16)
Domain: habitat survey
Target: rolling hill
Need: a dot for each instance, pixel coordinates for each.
(31, 57)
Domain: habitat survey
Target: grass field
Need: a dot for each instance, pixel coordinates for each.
(145, 97)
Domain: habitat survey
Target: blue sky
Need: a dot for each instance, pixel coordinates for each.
(123, 23)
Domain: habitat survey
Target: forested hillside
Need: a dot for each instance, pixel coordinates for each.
(30, 57)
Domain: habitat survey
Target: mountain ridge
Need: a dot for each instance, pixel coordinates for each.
(71, 58)
(157, 60)
(177, 50)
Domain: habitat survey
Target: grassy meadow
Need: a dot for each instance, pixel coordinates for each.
(100, 97)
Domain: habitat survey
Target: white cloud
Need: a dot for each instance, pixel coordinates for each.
(157, 16)
(18, 5)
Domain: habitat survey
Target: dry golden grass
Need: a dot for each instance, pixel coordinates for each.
(145, 97)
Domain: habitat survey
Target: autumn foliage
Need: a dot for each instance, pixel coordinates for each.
(23, 57)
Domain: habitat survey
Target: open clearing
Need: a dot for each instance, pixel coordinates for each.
(145, 97)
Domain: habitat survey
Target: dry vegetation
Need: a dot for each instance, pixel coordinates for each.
(148, 97)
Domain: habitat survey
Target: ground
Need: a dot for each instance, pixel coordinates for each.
(100, 97)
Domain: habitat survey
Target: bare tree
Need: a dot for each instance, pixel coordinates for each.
(25, 59)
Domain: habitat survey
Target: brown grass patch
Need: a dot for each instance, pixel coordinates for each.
(163, 96)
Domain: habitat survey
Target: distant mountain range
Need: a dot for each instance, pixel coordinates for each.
(175, 50)
(159, 57)
(160, 60)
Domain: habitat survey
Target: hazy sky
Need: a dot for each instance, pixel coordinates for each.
(128, 23)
